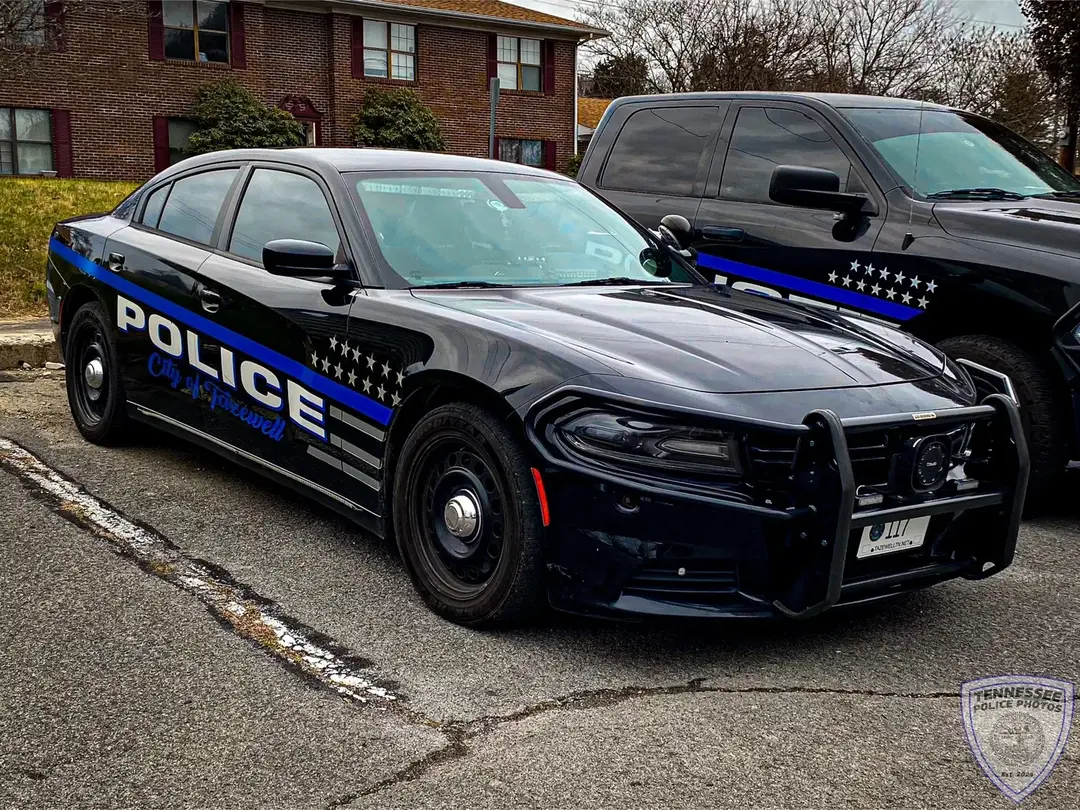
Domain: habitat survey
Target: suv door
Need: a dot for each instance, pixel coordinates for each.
(280, 396)
(155, 260)
(657, 158)
(751, 242)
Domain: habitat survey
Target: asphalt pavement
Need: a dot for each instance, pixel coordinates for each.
(126, 685)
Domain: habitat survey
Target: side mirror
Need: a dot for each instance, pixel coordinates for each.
(676, 231)
(299, 258)
(808, 187)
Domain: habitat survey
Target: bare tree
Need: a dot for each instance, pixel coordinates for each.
(24, 32)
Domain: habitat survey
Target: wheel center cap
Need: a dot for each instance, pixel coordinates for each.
(94, 373)
(462, 515)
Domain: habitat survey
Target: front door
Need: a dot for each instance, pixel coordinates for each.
(752, 243)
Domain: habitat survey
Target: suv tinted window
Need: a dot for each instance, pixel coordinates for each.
(766, 138)
(658, 150)
(281, 205)
(193, 206)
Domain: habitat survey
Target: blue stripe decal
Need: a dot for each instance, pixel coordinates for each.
(298, 371)
(814, 289)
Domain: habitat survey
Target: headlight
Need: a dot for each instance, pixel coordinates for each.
(1076, 333)
(650, 443)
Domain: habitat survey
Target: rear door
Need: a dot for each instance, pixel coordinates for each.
(277, 386)
(657, 158)
(153, 266)
(751, 242)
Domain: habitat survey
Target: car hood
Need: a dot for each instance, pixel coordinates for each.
(1040, 224)
(705, 338)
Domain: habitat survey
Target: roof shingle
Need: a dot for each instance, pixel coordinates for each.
(497, 10)
(590, 110)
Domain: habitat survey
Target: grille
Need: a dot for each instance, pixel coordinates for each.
(703, 582)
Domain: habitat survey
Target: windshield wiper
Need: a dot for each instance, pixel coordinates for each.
(979, 193)
(620, 281)
(458, 285)
(1065, 194)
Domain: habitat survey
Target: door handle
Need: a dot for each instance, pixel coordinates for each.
(210, 300)
(722, 234)
(115, 262)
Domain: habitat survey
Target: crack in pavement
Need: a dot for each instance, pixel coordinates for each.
(461, 733)
(235, 605)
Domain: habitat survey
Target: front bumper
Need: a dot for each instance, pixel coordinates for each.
(623, 546)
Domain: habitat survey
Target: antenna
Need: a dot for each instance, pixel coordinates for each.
(909, 238)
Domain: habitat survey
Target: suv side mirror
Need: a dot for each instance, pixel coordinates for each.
(808, 187)
(299, 258)
(676, 231)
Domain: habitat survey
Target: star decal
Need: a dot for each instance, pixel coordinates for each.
(338, 371)
(314, 360)
(884, 272)
(333, 343)
(861, 285)
(855, 267)
(870, 269)
(875, 289)
(931, 286)
(400, 378)
(371, 361)
(395, 400)
(832, 278)
(367, 386)
(356, 354)
(923, 302)
(846, 280)
(345, 349)
(352, 378)
(890, 294)
(386, 369)
(382, 392)
(906, 298)
(325, 364)
(915, 282)
(899, 277)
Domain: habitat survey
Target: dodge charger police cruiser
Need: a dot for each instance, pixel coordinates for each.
(942, 222)
(536, 398)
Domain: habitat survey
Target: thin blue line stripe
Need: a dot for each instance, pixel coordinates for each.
(849, 298)
(316, 382)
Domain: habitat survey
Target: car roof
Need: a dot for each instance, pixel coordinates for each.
(838, 100)
(364, 159)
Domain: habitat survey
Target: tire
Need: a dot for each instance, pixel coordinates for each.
(1043, 411)
(95, 392)
(492, 572)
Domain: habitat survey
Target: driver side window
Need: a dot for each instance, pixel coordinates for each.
(281, 205)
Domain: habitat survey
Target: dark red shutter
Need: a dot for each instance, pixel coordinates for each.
(358, 47)
(549, 67)
(416, 52)
(61, 133)
(54, 25)
(496, 155)
(161, 143)
(493, 57)
(237, 35)
(155, 23)
(549, 155)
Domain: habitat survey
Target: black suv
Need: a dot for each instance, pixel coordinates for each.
(937, 219)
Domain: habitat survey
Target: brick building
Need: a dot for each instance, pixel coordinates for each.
(110, 93)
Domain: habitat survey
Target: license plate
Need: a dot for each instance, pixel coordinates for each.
(886, 538)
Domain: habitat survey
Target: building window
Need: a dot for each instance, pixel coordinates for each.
(519, 63)
(516, 150)
(180, 130)
(25, 141)
(196, 30)
(389, 50)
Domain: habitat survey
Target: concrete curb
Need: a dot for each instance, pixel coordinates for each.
(29, 342)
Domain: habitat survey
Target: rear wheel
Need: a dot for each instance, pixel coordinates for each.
(1043, 409)
(94, 387)
(467, 518)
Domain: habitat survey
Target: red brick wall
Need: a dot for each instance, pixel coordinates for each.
(113, 90)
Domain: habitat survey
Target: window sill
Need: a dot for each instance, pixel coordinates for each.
(384, 80)
(526, 93)
(201, 65)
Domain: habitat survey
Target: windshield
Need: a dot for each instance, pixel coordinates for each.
(958, 151)
(488, 228)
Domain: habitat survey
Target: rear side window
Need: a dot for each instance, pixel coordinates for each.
(658, 151)
(192, 208)
(281, 205)
(154, 203)
(766, 138)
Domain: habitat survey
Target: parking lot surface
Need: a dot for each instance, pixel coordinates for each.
(128, 682)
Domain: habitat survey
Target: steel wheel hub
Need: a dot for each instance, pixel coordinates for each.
(94, 374)
(462, 516)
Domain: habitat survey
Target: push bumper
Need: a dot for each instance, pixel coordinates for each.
(621, 546)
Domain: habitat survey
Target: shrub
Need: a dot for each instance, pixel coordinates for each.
(397, 119)
(28, 210)
(573, 164)
(229, 116)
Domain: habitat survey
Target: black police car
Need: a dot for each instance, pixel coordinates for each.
(941, 221)
(532, 394)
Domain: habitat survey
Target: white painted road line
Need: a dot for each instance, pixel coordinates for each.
(249, 614)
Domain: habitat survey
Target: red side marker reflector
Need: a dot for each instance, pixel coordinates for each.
(541, 493)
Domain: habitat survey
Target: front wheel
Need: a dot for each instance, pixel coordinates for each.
(467, 517)
(1043, 404)
(95, 388)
